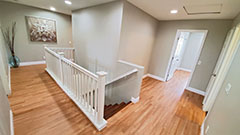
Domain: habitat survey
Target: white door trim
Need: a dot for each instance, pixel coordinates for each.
(174, 48)
(233, 47)
(219, 62)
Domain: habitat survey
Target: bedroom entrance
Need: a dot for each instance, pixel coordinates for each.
(186, 52)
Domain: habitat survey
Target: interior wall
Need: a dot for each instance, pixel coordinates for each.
(24, 48)
(223, 118)
(96, 34)
(217, 30)
(4, 69)
(4, 112)
(236, 21)
(4, 90)
(190, 53)
(137, 36)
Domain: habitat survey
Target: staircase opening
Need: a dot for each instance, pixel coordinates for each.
(110, 110)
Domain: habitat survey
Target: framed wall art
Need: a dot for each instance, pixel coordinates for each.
(41, 29)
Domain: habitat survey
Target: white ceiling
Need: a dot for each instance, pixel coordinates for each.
(160, 9)
(60, 5)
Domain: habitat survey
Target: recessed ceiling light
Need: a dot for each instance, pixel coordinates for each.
(173, 11)
(68, 2)
(53, 8)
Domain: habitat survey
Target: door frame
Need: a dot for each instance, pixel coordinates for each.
(174, 49)
(225, 66)
(219, 63)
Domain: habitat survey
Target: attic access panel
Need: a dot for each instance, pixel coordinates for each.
(203, 9)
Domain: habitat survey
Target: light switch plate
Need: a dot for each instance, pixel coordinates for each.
(199, 62)
(228, 88)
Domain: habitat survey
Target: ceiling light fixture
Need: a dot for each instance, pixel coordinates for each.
(53, 8)
(68, 2)
(173, 11)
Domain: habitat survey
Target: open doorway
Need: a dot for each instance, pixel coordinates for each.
(186, 52)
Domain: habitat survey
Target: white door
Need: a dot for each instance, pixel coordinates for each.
(4, 112)
(219, 63)
(176, 59)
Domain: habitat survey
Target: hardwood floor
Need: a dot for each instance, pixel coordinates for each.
(41, 108)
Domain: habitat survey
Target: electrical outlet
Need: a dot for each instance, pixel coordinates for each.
(206, 131)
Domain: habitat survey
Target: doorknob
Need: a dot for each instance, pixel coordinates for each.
(214, 75)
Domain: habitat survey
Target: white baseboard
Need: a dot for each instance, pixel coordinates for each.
(11, 123)
(202, 129)
(184, 69)
(9, 79)
(157, 77)
(200, 92)
(144, 76)
(134, 100)
(32, 63)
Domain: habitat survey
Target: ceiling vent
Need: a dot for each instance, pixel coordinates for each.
(203, 9)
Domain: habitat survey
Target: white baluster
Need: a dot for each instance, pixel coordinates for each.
(95, 96)
(60, 66)
(91, 93)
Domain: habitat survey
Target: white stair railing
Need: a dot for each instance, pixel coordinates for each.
(86, 89)
(69, 53)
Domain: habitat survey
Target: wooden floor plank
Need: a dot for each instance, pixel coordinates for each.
(40, 107)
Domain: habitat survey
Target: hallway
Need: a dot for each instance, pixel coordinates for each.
(40, 107)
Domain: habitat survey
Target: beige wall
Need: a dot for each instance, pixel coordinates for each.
(236, 20)
(96, 34)
(223, 119)
(217, 30)
(4, 69)
(137, 36)
(33, 51)
(4, 112)
(4, 89)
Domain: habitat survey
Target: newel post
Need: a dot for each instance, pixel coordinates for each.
(101, 95)
(61, 54)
